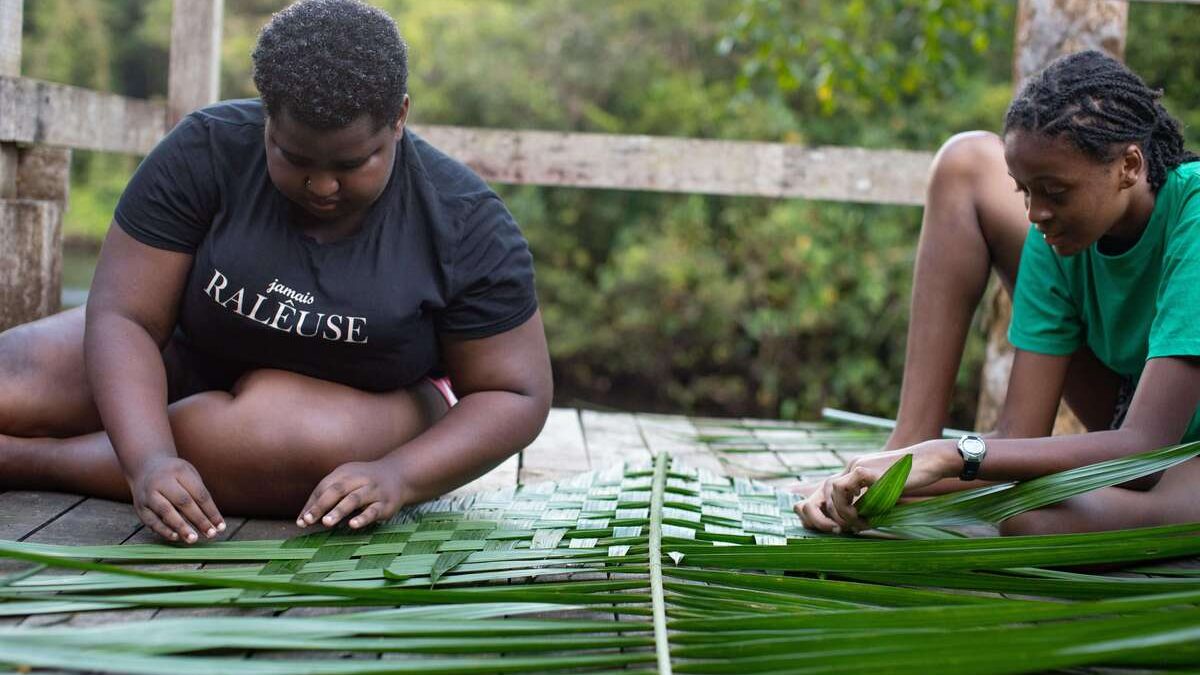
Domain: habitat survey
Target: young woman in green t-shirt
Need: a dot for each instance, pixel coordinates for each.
(1109, 278)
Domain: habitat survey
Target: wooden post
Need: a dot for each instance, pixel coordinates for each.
(34, 182)
(194, 77)
(1046, 29)
(10, 64)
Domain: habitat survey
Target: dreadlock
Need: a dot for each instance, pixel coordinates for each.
(1098, 103)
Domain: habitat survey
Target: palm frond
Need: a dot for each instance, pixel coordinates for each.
(673, 570)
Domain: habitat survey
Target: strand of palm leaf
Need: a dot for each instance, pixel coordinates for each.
(495, 582)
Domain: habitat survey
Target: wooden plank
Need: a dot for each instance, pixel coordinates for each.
(8, 171)
(91, 522)
(503, 476)
(144, 536)
(612, 438)
(22, 513)
(558, 451)
(32, 111)
(193, 78)
(797, 449)
(10, 65)
(665, 164)
(30, 260)
(677, 436)
(10, 37)
(44, 174)
(31, 235)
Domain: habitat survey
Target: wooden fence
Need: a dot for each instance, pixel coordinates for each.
(41, 122)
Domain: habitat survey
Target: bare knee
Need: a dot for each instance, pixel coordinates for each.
(17, 359)
(1038, 521)
(35, 398)
(310, 422)
(294, 427)
(968, 156)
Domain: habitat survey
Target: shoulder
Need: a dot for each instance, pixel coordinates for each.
(227, 126)
(1181, 196)
(232, 114)
(446, 180)
(1182, 185)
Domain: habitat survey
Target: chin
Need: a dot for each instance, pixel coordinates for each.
(324, 215)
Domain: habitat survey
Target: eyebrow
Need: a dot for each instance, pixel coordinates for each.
(1042, 177)
(304, 158)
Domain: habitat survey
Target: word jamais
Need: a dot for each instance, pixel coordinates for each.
(283, 316)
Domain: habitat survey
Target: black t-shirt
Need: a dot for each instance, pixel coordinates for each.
(438, 253)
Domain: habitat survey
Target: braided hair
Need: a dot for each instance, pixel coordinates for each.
(1098, 103)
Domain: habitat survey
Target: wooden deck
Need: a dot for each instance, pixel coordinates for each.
(573, 441)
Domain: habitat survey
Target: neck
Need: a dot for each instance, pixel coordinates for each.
(325, 232)
(1133, 222)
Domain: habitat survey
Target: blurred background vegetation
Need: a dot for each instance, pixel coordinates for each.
(680, 303)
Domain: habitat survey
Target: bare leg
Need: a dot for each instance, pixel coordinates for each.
(260, 448)
(43, 386)
(1172, 500)
(974, 221)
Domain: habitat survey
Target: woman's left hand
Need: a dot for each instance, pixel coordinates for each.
(830, 507)
(370, 490)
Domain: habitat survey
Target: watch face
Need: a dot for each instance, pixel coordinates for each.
(972, 447)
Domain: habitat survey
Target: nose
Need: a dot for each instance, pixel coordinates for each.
(322, 186)
(1038, 212)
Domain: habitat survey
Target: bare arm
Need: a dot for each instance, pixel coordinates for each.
(131, 312)
(504, 389)
(1035, 387)
(1162, 407)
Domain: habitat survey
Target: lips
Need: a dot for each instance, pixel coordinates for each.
(324, 205)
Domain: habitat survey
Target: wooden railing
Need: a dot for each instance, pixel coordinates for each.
(41, 122)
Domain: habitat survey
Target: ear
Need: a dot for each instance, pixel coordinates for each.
(402, 119)
(1133, 165)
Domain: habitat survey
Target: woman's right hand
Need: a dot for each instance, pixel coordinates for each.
(170, 498)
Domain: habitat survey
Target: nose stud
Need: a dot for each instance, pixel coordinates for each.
(308, 183)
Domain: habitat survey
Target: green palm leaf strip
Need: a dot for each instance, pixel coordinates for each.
(698, 586)
(662, 647)
(884, 494)
(995, 503)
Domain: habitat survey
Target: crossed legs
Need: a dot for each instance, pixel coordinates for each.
(260, 448)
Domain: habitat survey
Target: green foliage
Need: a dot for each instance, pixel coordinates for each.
(868, 61)
(672, 302)
(1155, 33)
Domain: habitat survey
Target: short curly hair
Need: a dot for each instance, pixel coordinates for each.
(328, 62)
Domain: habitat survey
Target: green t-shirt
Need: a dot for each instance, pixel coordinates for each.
(1128, 308)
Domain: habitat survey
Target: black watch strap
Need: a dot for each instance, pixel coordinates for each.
(970, 469)
(972, 449)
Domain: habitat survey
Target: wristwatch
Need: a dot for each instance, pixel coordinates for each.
(973, 450)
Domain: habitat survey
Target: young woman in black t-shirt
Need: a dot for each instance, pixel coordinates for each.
(287, 282)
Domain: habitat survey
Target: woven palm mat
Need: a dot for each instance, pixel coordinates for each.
(611, 569)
